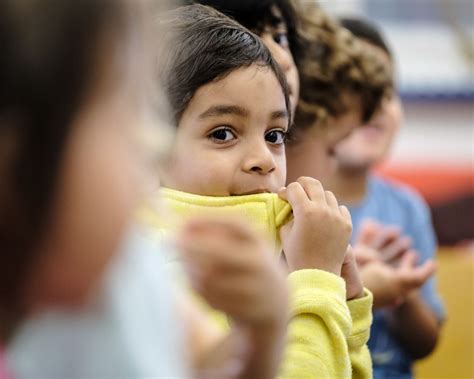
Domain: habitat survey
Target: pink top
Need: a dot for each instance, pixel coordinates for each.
(4, 373)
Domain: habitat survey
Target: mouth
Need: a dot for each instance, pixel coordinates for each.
(252, 192)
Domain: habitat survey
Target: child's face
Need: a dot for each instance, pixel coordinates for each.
(275, 37)
(313, 153)
(97, 189)
(370, 143)
(230, 139)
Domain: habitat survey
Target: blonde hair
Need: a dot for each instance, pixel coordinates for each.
(334, 62)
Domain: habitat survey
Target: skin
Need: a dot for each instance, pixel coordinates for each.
(234, 273)
(230, 139)
(321, 145)
(226, 145)
(247, 156)
(391, 273)
(98, 186)
(312, 151)
(371, 143)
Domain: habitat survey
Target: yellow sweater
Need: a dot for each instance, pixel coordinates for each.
(327, 336)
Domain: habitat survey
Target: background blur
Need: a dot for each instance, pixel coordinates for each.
(433, 43)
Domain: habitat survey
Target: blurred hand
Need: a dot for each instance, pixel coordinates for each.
(235, 272)
(391, 285)
(319, 233)
(233, 269)
(364, 254)
(387, 241)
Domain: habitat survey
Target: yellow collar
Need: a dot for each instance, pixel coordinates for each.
(266, 211)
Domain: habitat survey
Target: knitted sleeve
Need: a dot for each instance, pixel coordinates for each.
(320, 332)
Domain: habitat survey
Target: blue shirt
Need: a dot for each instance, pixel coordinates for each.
(393, 204)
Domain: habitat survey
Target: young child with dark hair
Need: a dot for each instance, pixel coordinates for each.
(342, 85)
(83, 290)
(276, 23)
(71, 117)
(230, 103)
(394, 222)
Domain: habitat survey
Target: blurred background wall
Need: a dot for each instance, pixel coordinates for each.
(433, 42)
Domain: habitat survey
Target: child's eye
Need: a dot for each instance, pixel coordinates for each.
(222, 135)
(275, 137)
(281, 39)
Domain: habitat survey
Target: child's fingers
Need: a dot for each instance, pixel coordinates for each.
(331, 200)
(364, 254)
(384, 236)
(282, 192)
(367, 232)
(395, 249)
(313, 188)
(425, 271)
(415, 277)
(408, 260)
(297, 197)
(345, 213)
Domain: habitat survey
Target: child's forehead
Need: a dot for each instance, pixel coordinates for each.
(245, 83)
(245, 93)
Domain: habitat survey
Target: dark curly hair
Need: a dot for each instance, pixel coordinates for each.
(335, 62)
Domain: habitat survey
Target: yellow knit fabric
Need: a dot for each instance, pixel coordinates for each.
(327, 336)
(267, 211)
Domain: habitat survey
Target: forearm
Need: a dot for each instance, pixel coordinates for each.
(416, 326)
(265, 347)
(319, 326)
(361, 314)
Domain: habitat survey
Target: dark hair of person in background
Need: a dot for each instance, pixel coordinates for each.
(200, 46)
(49, 50)
(333, 62)
(367, 31)
(256, 15)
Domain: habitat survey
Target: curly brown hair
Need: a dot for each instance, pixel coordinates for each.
(334, 62)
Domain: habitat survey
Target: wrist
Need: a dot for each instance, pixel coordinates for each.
(313, 264)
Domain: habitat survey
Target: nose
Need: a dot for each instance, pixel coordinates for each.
(282, 56)
(259, 159)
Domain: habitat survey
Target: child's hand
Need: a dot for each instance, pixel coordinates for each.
(388, 241)
(350, 273)
(391, 285)
(235, 272)
(319, 234)
(233, 269)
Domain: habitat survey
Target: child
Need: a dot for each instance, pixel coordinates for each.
(230, 104)
(275, 22)
(70, 119)
(410, 330)
(72, 171)
(342, 85)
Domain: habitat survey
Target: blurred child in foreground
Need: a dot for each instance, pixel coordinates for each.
(83, 289)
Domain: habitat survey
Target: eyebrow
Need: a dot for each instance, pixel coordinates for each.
(222, 110)
(283, 113)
